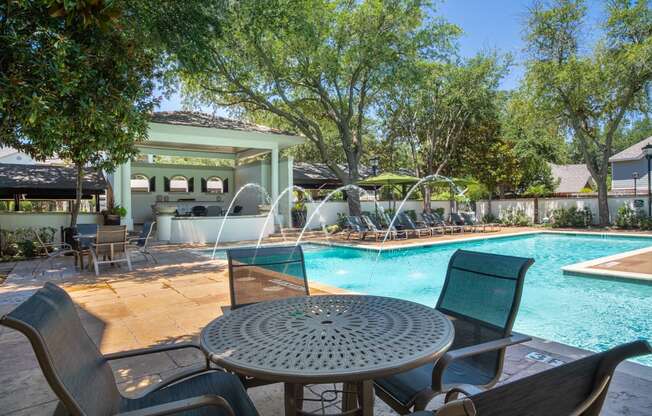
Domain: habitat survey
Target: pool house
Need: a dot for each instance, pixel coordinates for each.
(190, 170)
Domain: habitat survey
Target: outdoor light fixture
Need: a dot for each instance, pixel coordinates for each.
(647, 151)
(374, 165)
(635, 176)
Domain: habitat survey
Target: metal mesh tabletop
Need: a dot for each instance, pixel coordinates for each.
(327, 338)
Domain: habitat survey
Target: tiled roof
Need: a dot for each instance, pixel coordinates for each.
(24, 177)
(572, 178)
(196, 119)
(633, 152)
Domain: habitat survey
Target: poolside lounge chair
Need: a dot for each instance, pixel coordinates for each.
(447, 225)
(578, 388)
(51, 251)
(457, 219)
(374, 230)
(266, 273)
(481, 294)
(471, 218)
(353, 225)
(142, 242)
(435, 227)
(83, 381)
(110, 246)
(409, 225)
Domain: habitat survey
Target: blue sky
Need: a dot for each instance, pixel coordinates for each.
(487, 25)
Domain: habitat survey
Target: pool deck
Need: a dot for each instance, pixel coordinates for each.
(173, 301)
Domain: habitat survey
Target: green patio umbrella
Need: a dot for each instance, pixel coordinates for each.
(389, 179)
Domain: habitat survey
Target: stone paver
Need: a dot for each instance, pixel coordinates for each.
(171, 302)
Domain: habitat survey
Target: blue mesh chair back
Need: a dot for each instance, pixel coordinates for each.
(406, 221)
(355, 223)
(86, 229)
(71, 362)
(144, 234)
(266, 273)
(482, 293)
(457, 219)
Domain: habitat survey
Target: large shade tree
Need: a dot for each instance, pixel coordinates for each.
(594, 92)
(317, 66)
(75, 81)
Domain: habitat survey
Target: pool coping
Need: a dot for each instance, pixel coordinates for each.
(584, 269)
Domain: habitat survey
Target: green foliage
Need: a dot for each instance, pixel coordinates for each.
(333, 229)
(21, 243)
(490, 218)
(591, 92)
(76, 80)
(537, 191)
(439, 211)
(572, 217)
(515, 217)
(627, 217)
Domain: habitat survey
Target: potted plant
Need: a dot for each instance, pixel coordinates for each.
(112, 216)
(299, 214)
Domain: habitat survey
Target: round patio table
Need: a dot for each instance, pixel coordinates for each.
(322, 339)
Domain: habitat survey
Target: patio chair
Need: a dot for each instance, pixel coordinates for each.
(469, 217)
(354, 224)
(213, 211)
(266, 273)
(110, 246)
(457, 219)
(52, 251)
(143, 241)
(83, 245)
(198, 211)
(446, 225)
(481, 295)
(83, 381)
(407, 224)
(377, 232)
(578, 388)
(430, 221)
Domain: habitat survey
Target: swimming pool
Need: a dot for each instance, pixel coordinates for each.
(594, 314)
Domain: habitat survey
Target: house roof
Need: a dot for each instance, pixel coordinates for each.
(197, 119)
(633, 152)
(47, 181)
(572, 178)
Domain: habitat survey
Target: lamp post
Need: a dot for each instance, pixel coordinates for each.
(635, 176)
(373, 162)
(647, 151)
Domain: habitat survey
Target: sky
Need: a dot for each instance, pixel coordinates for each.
(487, 25)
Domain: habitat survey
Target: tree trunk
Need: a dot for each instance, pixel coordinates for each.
(427, 194)
(75, 208)
(536, 210)
(603, 202)
(354, 202)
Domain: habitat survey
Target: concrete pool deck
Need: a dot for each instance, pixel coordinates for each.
(172, 302)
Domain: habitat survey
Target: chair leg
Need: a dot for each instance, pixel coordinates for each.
(128, 261)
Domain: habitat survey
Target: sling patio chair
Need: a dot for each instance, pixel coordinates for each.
(401, 233)
(435, 227)
(51, 251)
(83, 381)
(457, 219)
(110, 246)
(469, 217)
(82, 241)
(354, 224)
(447, 225)
(578, 388)
(409, 225)
(377, 232)
(141, 244)
(481, 295)
(378, 219)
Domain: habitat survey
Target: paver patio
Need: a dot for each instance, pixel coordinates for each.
(171, 302)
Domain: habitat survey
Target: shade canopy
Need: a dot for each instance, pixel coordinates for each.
(47, 181)
(388, 178)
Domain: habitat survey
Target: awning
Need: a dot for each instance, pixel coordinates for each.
(47, 181)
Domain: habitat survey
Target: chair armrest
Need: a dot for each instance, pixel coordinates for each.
(183, 405)
(466, 389)
(452, 355)
(152, 350)
(463, 407)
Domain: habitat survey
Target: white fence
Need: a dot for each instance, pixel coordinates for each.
(548, 205)
(328, 212)
(12, 220)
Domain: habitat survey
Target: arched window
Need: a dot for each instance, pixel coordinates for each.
(139, 183)
(214, 185)
(178, 184)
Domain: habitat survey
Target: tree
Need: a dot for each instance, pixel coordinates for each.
(316, 65)
(595, 92)
(75, 81)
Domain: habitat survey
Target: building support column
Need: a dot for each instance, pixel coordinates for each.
(125, 173)
(274, 179)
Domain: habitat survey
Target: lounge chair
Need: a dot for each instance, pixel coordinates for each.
(110, 246)
(375, 230)
(266, 273)
(435, 227)
(472, 219)
(83, 381)
(51, 251)
(481, 294)
(457, 219)
(447, 225)
(353, 225)
(142, 242)
(578, 388)
(409, 225)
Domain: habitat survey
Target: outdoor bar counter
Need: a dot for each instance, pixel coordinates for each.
(205, 229)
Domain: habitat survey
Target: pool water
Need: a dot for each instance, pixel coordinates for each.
(593, 314)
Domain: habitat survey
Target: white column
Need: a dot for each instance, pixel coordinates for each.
(117, 186)
(290, 173)
(274, 190)
(126, 194)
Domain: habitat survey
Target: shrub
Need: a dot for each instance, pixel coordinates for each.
(645, 223)
(572, 217)
(515, 217)
(489, 218)
(627, 217)
(439, 211)
(21, 242)
(332, 229)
